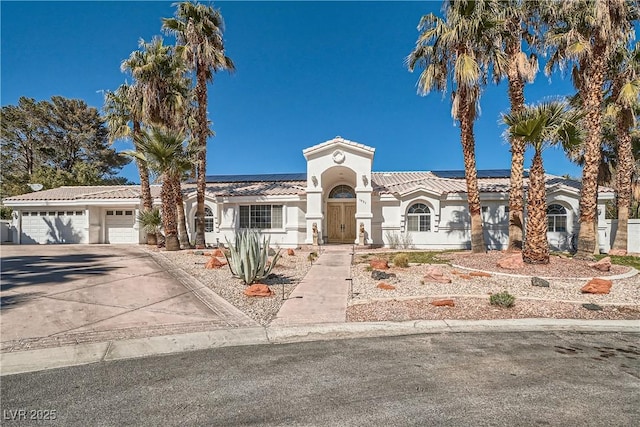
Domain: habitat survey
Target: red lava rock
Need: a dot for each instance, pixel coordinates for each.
(511, 262)
(206, 253)
(386, 286)
(215, 263)
(618, 252)
(443, 303)
(217, 253)
(597, 286)
(603, 265)
(434, 274)
(479, 274)
(291, 252)
(465, 276)
(379, 264)
(258, 290)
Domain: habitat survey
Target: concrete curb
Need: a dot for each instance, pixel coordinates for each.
(82, 354)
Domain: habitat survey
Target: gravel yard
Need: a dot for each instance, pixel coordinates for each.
(562, 299)
(286, 275)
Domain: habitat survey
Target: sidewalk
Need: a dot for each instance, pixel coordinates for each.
(321, 297)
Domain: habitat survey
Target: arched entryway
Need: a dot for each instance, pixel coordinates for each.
(341, 213)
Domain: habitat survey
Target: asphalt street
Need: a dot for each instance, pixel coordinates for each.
(450, 379)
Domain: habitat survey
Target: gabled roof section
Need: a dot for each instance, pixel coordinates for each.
(446, 182)
(94, 192)
(337, 142)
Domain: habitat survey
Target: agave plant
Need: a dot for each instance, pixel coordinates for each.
(248, 257)
(151, 222)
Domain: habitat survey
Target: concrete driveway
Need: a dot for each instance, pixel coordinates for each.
(54, 295)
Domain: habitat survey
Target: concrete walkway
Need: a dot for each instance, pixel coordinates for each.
(321, 297)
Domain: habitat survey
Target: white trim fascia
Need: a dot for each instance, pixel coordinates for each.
(421, 190)
(80, 202)
(316, 150)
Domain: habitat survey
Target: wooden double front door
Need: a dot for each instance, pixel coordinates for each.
(341, 222)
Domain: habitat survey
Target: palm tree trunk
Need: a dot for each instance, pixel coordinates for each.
(592, 103)
(623, 180)
(516, 192)
(169, 214)
(470, 172)
(201, 167)
(145, 188)
(182, 224)
(536, 245)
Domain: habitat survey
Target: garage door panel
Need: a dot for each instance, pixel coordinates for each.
(119, 226)
(53, 227)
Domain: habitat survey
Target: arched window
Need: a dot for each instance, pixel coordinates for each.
(342, 192)
(557, 218)
(208, 220)
(419, 218)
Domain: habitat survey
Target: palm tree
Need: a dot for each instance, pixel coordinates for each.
(121, 107)
(586, 33)
(164, 151)
(198, 29)
(625, 92)
(512, 23)
(450, 51)
(545, 124)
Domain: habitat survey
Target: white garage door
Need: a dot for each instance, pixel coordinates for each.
(53, 227)
(119, 227)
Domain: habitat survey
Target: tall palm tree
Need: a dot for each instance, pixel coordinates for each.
(625, 93)
(164, 151)
(545, 124)
(123, 107)
(450, 52)
(513, 19)
(586, 33)
(198, 29)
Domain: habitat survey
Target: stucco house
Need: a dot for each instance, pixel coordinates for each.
(339, 200)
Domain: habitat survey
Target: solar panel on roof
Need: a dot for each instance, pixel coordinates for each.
(273, 177)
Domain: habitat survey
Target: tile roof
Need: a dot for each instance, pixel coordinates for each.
(258, 185)
(336, 140)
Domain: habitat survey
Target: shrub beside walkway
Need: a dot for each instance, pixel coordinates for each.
(321, 297)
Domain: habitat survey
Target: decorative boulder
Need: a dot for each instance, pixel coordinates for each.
(597, 286)
(511, 262)
(381, 275)
(215, 263)
(291, 252)
(443, 303)
(479, 274)
(618, 252)
(537, 281)
(434, 274)
(386, 286)
(379, 264)
(217, 253)
(603, 265)
(592, 307)
(258, 290)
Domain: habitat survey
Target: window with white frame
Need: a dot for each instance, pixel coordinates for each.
(419, 218)
(261, 216)
(208, 220)
(557, 218)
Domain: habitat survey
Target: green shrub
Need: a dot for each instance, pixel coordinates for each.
(401, 260)
(312, 256)
(503, 299)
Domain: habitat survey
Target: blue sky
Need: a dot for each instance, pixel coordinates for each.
(306, 72)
